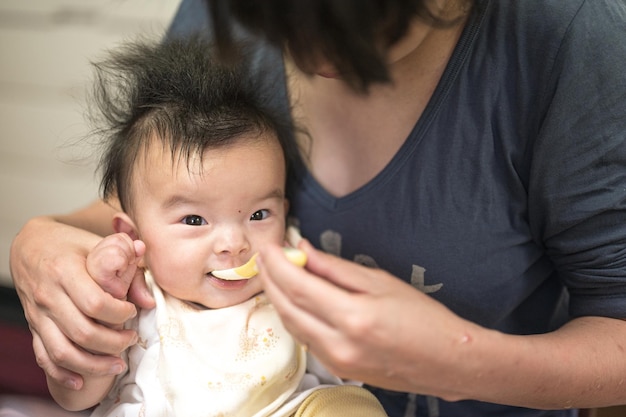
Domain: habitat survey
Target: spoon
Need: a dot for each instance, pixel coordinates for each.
(249, 269)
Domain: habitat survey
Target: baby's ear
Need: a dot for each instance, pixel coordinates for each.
(122, 223)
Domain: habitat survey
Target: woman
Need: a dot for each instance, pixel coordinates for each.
(482, 186)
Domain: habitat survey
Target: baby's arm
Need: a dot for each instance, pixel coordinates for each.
(112, 263)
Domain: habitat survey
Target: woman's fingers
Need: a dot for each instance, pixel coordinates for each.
(73, 307)
(348, 275)
(64, 362)
(327, 280)
(59, 375)
(358, 321)
(68, 343)
(294, 287)
(316, 311)
(80, 319)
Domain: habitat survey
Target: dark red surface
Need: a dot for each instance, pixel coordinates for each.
(19, 372)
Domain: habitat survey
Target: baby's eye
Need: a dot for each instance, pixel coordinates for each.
(194, 220)
(260, 214)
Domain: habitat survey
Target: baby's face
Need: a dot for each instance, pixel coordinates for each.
(198, 217)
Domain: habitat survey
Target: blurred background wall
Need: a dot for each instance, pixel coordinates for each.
(45, 51)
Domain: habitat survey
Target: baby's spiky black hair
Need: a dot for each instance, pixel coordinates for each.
(178, 91)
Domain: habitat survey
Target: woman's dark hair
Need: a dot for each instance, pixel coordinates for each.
(177, 91)
(352, 34)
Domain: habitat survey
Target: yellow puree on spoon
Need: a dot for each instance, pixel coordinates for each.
(249, 269)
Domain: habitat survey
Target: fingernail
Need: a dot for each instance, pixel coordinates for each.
(117, 369)
(71, 384)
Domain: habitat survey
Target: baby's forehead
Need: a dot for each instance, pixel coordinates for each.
(156, 152)
(195, 157)
(194, 150)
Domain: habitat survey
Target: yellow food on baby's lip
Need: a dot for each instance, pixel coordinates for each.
(249, 269)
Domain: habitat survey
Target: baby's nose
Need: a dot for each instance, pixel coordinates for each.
(231, 240)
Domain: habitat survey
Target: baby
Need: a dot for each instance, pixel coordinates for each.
(198, 164)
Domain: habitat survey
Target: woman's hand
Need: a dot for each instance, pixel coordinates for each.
(64, 306)
(361, 322)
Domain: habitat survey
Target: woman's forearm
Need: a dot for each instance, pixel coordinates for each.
(581, 365)
(95, 218)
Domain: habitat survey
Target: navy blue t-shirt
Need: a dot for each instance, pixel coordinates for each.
(507, 202)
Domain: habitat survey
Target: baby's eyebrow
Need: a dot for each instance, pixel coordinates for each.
(182, 200)
(178, 200)
(275, 193)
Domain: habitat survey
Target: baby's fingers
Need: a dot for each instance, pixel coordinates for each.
(113, 263)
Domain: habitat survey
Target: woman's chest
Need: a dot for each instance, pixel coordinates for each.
(447, 214)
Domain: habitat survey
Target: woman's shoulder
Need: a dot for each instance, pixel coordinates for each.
(553, 19)
(538, 42)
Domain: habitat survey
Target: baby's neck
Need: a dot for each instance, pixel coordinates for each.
(196, 306)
